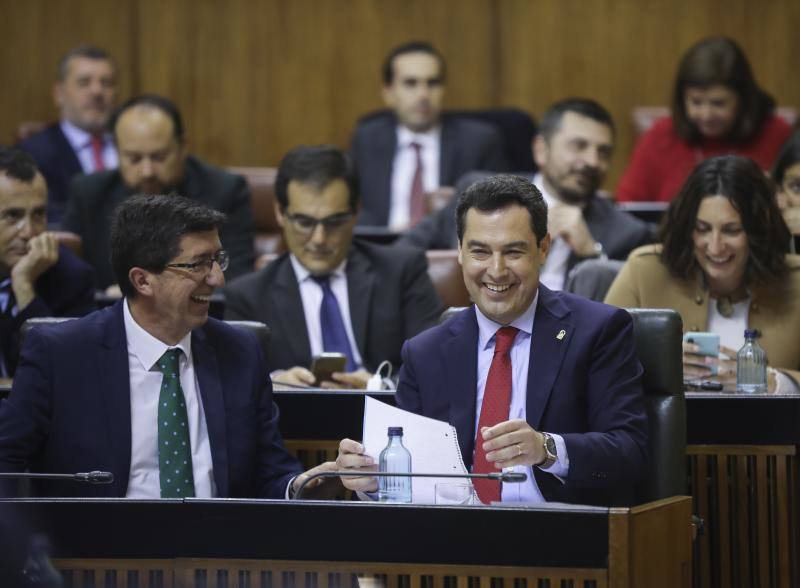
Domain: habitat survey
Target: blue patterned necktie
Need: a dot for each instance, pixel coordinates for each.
(174, 447)
(334, 333)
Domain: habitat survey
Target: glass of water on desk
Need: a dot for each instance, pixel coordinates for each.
(461, 493)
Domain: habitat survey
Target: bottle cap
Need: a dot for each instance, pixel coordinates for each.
(750, 333)
(393, 431)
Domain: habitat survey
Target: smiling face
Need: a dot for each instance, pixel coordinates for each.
(721, 245)
(417, 90)
(179, 298)
(87, 92)
(574, 161)
(501, 261)
(712, 110)
(22, 217)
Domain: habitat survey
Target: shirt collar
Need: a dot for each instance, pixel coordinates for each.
(303, 274)
(487, 327)
(549, 198)
(78, 138)
(428, 139)
(146, 348)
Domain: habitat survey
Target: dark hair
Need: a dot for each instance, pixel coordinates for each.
(86, 51)
(551, 121)
(317, 165)
(146, 232)
(411, 47)
(720, 61)
(789, 155)
(17, 164)
(151, 101)
(752, 194)
(496, 192)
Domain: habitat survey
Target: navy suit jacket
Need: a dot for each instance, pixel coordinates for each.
(584, 386)
(57, 162)
(70, 408)
(66, 289)
(466, 145)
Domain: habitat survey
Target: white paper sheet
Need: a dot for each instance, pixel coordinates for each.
(433, 445)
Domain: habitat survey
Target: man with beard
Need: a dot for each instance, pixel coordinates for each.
(573, 152)
(154, 159)
(84, 92)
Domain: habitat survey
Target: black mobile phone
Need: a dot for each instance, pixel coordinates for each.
(323, 365)
(706, 385)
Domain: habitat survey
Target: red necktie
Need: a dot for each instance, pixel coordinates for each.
(97, 153)
(418, 206)
(494, 410)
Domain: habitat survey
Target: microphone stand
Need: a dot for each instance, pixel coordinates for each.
(509, 477)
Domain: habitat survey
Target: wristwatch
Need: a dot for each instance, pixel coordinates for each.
(550, 451)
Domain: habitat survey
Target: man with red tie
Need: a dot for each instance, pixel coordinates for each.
(84, 92)
(542, 382)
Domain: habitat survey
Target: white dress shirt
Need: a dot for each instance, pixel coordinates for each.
(405, 166)
(144, 351)
(81, 143)
(311, 294)
(527, 491)
(554, 271)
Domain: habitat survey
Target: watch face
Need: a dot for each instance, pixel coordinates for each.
(550, 445)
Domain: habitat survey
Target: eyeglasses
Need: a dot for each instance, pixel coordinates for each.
(204, 266)
(308, 224)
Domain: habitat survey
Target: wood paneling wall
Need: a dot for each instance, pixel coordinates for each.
(255, 77)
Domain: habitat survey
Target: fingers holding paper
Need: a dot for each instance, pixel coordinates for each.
(352, 457)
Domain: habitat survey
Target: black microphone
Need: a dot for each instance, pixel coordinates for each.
(510, 477)
(95, 477)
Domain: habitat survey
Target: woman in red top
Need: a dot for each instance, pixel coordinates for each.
(717, 109)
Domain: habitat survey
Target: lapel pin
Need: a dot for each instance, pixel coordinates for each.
(561, 334)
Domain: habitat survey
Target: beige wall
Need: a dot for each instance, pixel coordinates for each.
(255, 77)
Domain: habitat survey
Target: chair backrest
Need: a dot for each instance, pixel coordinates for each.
(592, 278)
(658, 335)
(261, 181)
(445, 273)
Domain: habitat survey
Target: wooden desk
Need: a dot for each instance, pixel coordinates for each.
(305, 543)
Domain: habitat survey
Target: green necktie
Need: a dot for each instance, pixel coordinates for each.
(174, 447)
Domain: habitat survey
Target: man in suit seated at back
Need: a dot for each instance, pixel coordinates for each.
(154, 159)
(84, 92)
(38, 277)
(402, 157)
(573, 153)
(544, 382)
(173, 403)
(329, 292)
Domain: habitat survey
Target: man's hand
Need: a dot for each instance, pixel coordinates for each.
(296, 376)
(356, 380)
(42, 254)
(328, 466)
(351, 457)
(566, 221)
(512, 443)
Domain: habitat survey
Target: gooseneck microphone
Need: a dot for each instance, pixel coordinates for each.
(509, 477)
(95, 477)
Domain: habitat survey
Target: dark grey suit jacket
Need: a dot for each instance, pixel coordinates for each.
(391, 299)
(93, 198)
(466, 145)
(618, 231)
(58, 163)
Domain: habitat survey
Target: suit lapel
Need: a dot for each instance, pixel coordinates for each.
(461, 373)
(385, 149)
(115, 391)
(449, 150)
(548, 347)
(286, 298)
(208, 378)
(360, 284)
(68, 159)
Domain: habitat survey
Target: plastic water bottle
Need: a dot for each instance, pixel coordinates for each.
(751, 365)
(395, 458)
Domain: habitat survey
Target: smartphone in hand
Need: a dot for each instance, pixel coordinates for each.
(325, 364)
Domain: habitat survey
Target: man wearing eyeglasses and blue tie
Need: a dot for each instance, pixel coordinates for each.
(173, 403)
(331, 292)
